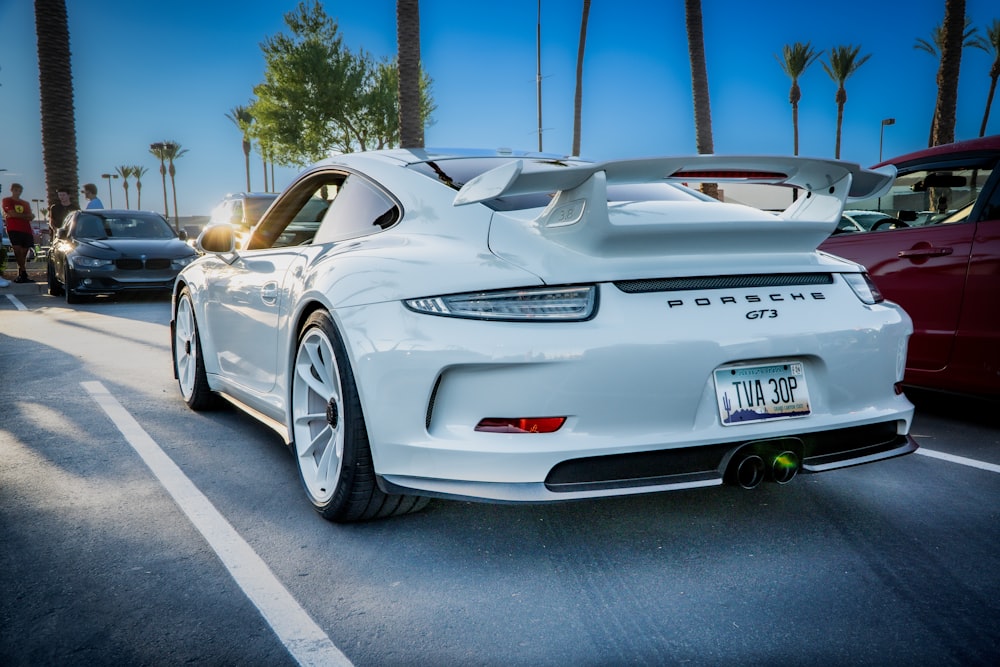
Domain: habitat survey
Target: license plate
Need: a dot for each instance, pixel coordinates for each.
(759, 393)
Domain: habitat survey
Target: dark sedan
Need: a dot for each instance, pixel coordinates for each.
(108, 251)
(936, 252)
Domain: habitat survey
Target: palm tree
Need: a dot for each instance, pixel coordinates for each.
(844, 62)
(243, 119)
(138, 171)
(990, 44)
(173, 151)
(55, 77)
(935, 47)
(794, 60)
(699, 85)
(125, 171)
(411, 127)
(947, 78)
(159, 150)
(578, 99)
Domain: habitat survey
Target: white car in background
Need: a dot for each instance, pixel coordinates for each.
(521, 327)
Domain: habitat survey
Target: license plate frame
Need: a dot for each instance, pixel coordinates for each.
(755, 393)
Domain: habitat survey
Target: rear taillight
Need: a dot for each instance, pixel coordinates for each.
(520, 424)
(863, 286)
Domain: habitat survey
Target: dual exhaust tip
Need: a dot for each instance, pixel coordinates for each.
(750, 467)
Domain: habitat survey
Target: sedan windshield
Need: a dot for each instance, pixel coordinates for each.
(92, 226)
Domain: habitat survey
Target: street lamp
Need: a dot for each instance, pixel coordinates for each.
(881, 132)
(111, 194)
(38, 208)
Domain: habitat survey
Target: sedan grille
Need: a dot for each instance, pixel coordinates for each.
(133, 264)
(722, 282)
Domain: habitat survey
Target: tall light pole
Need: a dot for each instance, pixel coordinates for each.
(881, 133)
(111, 194)
(38, 208)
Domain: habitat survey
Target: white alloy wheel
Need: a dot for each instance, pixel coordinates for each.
(188, 363)
(317, 411)
(329, 437)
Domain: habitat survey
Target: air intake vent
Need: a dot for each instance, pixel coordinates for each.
(722, 282)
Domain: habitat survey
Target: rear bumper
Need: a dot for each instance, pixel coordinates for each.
(670, 469)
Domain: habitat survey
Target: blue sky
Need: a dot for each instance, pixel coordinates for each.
(144, 72)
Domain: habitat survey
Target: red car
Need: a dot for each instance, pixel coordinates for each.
(937, 254)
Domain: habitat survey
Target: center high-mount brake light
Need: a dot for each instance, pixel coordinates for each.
(729, 175)
(520, 424)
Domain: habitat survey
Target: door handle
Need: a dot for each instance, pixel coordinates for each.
(925, 252)
(269, 293)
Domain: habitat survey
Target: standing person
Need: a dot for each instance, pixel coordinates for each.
(59, 211)
(17, 216)
(90, 192)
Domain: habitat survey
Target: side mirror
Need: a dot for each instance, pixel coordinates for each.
(182, 235)
(906, 216)
(217, 239)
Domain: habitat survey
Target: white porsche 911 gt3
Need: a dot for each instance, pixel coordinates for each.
(520, 327)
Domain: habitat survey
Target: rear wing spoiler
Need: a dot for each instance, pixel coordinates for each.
(828, 183)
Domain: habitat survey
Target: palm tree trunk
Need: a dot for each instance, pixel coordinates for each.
(57, 114)
(989, 98)
(947, 79)
(699, 85)
(411, 129)
(246, 159)
(578, 99)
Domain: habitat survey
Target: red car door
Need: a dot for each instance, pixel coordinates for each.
(938, 256)
(923, 269)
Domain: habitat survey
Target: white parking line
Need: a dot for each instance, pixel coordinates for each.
(973, 463)
(303, 639)
(17, 302)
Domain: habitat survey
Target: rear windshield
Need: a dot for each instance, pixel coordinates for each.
(456, 172)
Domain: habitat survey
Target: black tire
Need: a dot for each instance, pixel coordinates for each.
(71, 296)
(326, 416)
(55, 287)
(189, 366)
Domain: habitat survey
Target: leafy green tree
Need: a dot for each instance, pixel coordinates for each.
(125, 171)
(318, 98)
(578, 97)
(947, 78)
(844, 62)
(243, 119)
(991, 44)
(55, 78)
(794, 61)
(699, 85)
(935, 47)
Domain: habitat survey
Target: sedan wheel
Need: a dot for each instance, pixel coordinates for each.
(55, 287)
(71, 296)
(329, 436)
(189, 366)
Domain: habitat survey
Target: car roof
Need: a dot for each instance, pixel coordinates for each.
(970, 146)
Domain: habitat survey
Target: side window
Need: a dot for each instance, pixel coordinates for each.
(991, 210)
(359, 209)
(297, 213)
(929, 197)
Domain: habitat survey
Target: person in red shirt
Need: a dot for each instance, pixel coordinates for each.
(17, 217)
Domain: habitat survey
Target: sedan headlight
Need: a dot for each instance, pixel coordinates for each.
(560, 304)
(864, 287)
(90, 262)
(181, 262)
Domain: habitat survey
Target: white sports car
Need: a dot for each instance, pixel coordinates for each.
(519, 327)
